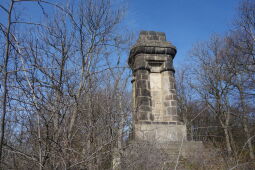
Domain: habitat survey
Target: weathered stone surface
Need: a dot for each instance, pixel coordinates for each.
(154, 93)
(143, 115)
(156, 123)
(180, 155)
(161, 132)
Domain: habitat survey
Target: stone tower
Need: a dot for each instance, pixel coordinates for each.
(154, 91)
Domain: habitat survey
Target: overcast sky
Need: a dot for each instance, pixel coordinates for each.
(185, 22)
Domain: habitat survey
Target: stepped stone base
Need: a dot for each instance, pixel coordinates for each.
(186, 149)
(160, 132)
(145, 155)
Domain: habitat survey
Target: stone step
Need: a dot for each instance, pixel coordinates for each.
(186, 148)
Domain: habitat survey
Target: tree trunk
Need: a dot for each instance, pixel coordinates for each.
(117, 151)
(229, 149)
(5, 77)
(245, 123)
(246, 130)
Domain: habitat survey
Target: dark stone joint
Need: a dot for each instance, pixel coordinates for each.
(167, 69)
(141, 68)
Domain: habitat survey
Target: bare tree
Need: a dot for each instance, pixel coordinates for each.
(213, 83)
(6, 31)
(68, 113)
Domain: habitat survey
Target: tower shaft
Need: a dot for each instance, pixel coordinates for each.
(154, 91)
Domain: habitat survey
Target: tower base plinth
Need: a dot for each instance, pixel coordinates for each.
(160, 132)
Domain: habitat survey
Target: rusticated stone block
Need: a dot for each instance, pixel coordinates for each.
(167, 103)
(141, 83)
(172, 110)
(142, 71)
(142, 115)
(175, 118)
(145, 92)
(168, 97)
(143, 100)
(144, 76)
(173, 103)
(145, 108)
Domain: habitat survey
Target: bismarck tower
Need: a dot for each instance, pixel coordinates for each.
(154, 91)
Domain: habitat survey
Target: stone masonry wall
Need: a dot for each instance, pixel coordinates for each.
(154, 91)
(142, 95)
(153, 84)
